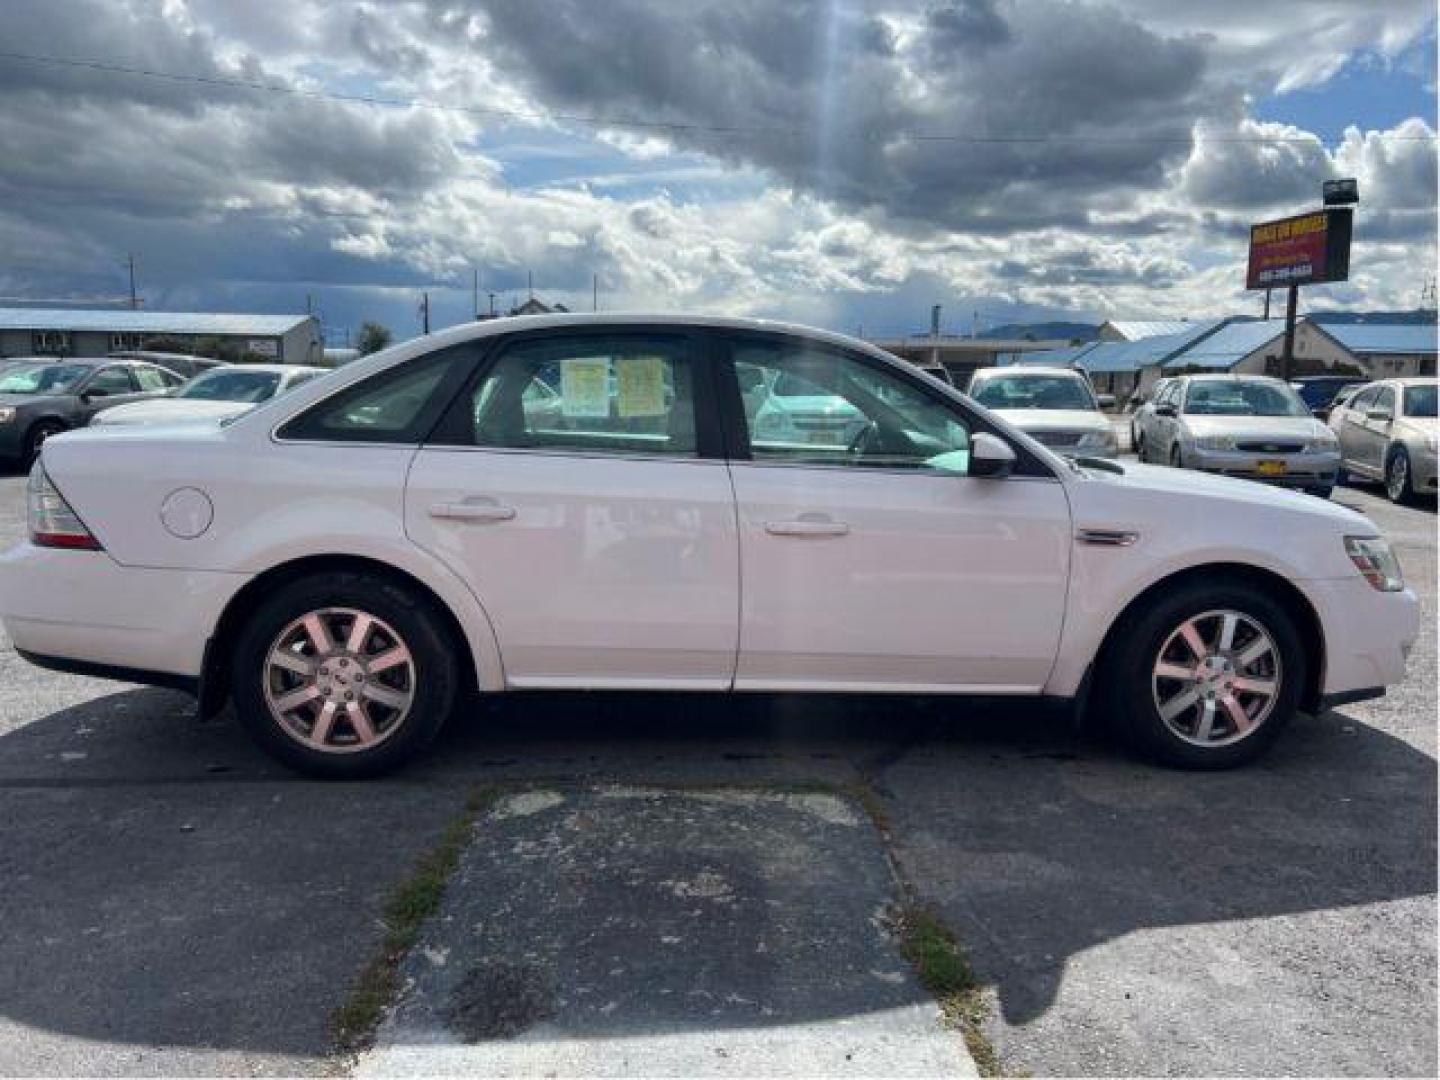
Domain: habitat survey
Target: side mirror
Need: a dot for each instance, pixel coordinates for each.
(90, 395)
(990, 456)
(1107, 401)
(1377, 414)
(1166, 410)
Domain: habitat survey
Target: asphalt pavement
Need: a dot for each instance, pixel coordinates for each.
(176, 904)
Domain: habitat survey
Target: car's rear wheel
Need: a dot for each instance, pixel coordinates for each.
(1176, 460)
(1205, 677)
(35, 438)
(344, 675)
(1138, 441)
(1322, 492)
(1398, 486)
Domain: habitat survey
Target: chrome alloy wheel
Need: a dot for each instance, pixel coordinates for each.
(1217, 678)
(339, 680)
(1397, 477)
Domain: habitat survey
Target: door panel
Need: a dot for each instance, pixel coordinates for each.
(936, 583)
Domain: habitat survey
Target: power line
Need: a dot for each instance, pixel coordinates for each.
(658, 125)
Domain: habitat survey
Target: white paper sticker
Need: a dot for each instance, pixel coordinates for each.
(585, 386)
(640, 381)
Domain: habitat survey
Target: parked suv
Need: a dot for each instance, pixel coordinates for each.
(348, 561)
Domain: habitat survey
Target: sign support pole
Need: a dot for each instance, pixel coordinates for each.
(1287, 355)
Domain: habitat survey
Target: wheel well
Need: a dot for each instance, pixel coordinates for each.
(215, 679)
(1307, 622)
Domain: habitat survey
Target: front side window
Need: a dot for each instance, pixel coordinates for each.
(805, 405)
(1364, 399)
(110, 381)
(590, 394)
(1385, 400)
(398, 405)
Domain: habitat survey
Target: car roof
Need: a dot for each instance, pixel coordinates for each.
(1232, 378)
(1026, 369)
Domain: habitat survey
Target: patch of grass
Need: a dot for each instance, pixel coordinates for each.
(353, 1023)
(943, 969)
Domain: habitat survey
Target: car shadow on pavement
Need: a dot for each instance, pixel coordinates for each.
(166, 886)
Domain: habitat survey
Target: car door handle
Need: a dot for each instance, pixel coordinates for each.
(472, 510)
(806, 527)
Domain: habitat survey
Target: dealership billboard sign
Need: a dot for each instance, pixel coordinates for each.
(1305, 250)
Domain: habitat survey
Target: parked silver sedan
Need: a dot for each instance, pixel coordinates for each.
(1247, 426)
(1388, 432)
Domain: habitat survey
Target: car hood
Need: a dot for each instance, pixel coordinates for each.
(172, 411)
(1260, 427)
(1054, 419)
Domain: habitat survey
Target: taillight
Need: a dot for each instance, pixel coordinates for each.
(52, 522)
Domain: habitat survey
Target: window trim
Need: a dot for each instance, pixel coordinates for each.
(736, 428)
(454, 429)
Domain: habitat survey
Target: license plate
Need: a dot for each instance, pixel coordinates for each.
(1270, 468)
(821, 438)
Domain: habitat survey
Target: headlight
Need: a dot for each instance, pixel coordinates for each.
(1323, 442)
(1214, 442)
(7, 414)
(1376, 562)
(1097, 440)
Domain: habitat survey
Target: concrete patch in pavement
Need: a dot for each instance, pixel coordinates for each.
(634, 931)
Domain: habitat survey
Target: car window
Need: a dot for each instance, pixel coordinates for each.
(592, 393)
(1385, 399)
(231, 384)
(299, 378)
(1033, 392)
(42, 378)
(395, 406)
(1420, 401)
(1238, 397)
(150, 378)
(111, 381)
(1364, 399)
(850, 413)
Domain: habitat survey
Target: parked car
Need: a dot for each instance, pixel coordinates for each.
(1141, 408)
(346, 562)
(1387, 432)
(42, 398)
(218, 394)
(790, 408)
(1318, 391)
(1055, 405)
(1343, 395)
(180, 363)
(1247, 426)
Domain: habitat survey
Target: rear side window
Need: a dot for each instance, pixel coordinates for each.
(399, 405)
(111, 380)
(584, 393)
(151, 378)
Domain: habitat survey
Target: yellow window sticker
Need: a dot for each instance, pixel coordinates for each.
(641, 384)
(585, 386)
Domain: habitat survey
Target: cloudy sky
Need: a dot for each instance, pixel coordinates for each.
(839, 162)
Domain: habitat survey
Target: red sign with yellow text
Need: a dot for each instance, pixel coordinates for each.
(1303, 250)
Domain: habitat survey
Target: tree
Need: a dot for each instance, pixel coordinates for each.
(373, 338)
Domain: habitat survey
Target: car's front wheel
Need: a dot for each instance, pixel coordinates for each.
(1206, 676)
(1398, 486)
(1177, 461)
(344, 675)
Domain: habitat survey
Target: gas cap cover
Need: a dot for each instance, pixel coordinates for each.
(186, 512)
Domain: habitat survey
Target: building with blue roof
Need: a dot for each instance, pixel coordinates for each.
(289, 339)
(1381, 350)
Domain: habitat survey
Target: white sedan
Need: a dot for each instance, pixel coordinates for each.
(345, 563)
(218, 394)
(1057, 406)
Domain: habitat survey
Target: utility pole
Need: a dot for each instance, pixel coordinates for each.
(1287, 354)
(425, 311)
(1267, 305)
(134, 300)
(594, 292)
(475, 292)
(492, 305)
(530, 283)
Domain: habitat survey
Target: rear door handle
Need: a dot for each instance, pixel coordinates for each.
(472, 510)
(806, 527)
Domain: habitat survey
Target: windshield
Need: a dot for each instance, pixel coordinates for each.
(41, 378)
(228, 385)
(1420, 401)
(1237, 398)
(1034, 392)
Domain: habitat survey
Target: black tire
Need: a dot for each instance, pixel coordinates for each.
(1399, 480)
(1126, 673)
(36, 436)
(1177, 460)
(433, 680)
(1138, 441)
(1322, 492)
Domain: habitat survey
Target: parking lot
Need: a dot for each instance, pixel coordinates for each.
(176, 903)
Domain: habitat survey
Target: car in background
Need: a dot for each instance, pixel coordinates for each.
(1318, 391)
(1054, 405)
(348, 564)
(1343, 395)
(1251, 427)
(787, 407)
(41, 398)
(218, 394)
(1140, 407)
(1388, 432)
(180, 363)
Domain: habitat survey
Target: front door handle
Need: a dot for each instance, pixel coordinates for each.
(472, 510)
(807, 527)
